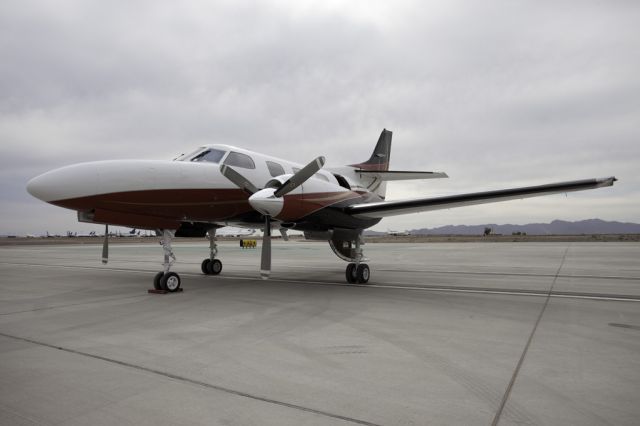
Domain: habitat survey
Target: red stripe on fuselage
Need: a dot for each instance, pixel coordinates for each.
(381, 167)
(176, 204)
(171, 206)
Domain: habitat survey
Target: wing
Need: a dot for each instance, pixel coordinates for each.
(390, 175)
(393, 208)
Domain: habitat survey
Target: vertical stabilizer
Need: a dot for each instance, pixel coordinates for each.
(379, 161)
(381, 154)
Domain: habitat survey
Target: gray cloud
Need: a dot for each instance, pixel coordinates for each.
(497, 93)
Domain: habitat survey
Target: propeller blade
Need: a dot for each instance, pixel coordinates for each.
(105, 245)
(265, 260)
(299, 178)
(239, 180)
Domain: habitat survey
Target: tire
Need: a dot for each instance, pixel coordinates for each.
(156, 280)
(351, 273)
(170, 282)
(205, 266)
(214, 267)
(363, 273)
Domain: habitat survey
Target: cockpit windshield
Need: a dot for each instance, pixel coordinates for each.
(185, 157)
(209, 155)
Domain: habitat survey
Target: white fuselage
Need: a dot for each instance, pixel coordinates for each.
(190, 188)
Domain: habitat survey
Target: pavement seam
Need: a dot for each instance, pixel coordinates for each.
(507, 392)
(194, 382)
(394, 286)
(430, 271)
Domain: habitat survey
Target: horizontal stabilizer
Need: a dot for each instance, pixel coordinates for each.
(393, 208)
(400, 175)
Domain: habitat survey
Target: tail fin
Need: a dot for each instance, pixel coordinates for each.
(381, 155)
(379, 161)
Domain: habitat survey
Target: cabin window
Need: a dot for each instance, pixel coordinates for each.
(239, 160)
(275, 169)
(209, 156)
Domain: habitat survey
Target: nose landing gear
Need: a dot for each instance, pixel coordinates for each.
(166, 280)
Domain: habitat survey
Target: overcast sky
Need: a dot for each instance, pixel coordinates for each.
(495, 93)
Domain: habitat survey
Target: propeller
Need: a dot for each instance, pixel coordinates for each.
(299, 178)
(105, 245)
(269, 202)
(265, 258)
(239, 180)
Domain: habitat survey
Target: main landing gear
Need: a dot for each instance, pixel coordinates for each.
(211, 266)
(166, 280)
(358, 272)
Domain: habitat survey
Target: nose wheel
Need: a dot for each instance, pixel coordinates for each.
(166, 280)
(169, 281)
(357, 274)
(156, 280)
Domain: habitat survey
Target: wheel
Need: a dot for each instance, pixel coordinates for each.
(214, 267)
(351, 273)
(362, 273)
(205, 266)
(156, 280)
(170, 282)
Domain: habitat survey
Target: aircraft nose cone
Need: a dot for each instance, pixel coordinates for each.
(266, 203)
(64, 183)
(40, 187)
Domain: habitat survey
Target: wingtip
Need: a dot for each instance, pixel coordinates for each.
(608, 181)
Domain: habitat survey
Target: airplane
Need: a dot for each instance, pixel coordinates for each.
(398, 233)
(217, 185)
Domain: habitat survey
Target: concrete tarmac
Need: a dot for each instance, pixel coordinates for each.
(461, 333)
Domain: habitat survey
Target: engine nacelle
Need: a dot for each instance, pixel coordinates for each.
(341, 241)
(313, 195)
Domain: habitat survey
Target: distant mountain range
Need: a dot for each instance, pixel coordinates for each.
(557, 227)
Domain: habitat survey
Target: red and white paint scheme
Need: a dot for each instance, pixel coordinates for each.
(219, 185)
